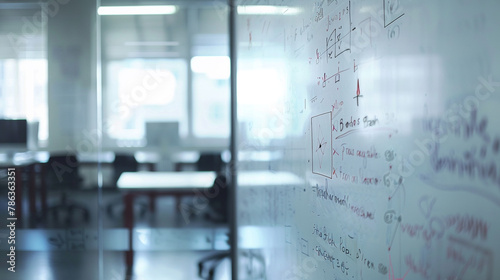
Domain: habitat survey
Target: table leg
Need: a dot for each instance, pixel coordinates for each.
(32, 194)
(152, 202)
(128, 218)
(43, 190)
(19, 196)
(178, 200)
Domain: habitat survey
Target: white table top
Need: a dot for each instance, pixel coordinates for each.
(23, 159)
(267, 178)
(190, 180)
(166, 180)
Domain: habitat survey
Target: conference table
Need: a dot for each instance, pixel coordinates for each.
(153, 184)
(184, 183)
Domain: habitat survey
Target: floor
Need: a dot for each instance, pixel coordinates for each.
(169, 244)
(85, 265)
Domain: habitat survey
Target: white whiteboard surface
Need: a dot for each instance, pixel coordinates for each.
(388, 113)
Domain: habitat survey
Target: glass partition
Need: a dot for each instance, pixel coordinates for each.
(165, 105)
(119, 120)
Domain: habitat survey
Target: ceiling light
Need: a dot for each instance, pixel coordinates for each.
(267, 10)
(152, 43)
(136, 10)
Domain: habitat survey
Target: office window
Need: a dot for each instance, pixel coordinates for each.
(23, 91)
(23, 66)
(188, 51)
(263, 123)
(144, 90)
(210, 66)
(211, 96)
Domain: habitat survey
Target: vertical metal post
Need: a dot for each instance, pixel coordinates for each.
(191, 22)
(233, 190)
(99, 126)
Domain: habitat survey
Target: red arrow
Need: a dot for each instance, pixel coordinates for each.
(358, 95)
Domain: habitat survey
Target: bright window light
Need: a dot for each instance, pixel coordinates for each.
(136, 10)
(267, 10)
(154, 86)
(215, 67)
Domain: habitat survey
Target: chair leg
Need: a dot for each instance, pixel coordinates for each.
(215, 260)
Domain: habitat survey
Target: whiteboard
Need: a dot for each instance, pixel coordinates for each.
(386, 114)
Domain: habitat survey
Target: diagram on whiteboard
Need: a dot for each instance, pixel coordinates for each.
(321, 141)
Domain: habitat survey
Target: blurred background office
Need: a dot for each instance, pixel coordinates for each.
(100, 93)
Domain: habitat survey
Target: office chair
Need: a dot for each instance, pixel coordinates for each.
(218, 204)
(255, 264)
(218, 214)
(63, 174)
(210, 162)
(124, 163)
(208, 265)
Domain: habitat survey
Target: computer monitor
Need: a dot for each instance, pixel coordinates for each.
(13, 135)
(163, 135)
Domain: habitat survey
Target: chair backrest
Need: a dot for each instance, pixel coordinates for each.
(210, 162)
(63, 170)
(124, 163)
(218, 203)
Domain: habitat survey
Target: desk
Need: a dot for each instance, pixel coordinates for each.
(24, 162)
(153, 184)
